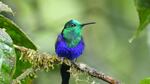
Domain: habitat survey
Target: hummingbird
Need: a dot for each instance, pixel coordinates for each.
(70, 45)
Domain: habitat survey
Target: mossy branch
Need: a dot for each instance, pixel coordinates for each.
(27, 73)
(46, 61)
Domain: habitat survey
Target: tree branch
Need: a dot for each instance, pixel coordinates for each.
(46, 61)
(23, 76)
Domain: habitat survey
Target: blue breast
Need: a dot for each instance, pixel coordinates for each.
(62, 50)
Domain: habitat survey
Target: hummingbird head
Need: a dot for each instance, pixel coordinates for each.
(73, 30)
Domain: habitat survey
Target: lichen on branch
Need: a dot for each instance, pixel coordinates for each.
(46, 61)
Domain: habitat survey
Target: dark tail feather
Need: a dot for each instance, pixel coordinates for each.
(65, 75)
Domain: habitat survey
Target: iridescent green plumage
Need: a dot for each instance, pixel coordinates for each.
(72, 33)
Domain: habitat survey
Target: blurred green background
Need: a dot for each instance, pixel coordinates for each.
(107, 47)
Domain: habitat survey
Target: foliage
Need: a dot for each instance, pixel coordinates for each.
(18, 38)
(7, 58)
(145, 81)
(143, 9)
(5, 8)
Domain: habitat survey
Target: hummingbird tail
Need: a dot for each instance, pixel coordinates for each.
(65, 75)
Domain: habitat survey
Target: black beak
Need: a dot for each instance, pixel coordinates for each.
(88, 23)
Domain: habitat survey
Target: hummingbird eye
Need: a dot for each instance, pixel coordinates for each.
(72, 25)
